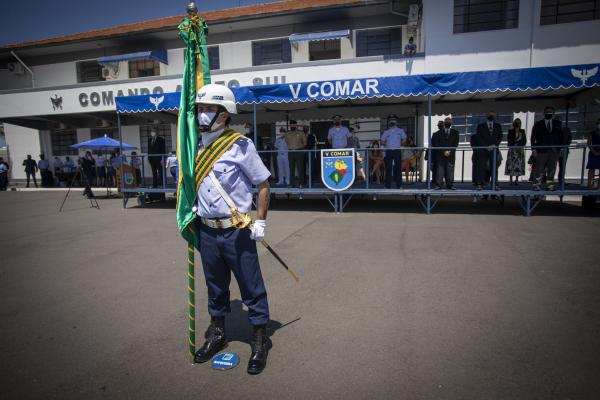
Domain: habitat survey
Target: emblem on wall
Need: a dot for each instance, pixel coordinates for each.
(157, 101)
(56, 102)
(584, 74)
(337, 168)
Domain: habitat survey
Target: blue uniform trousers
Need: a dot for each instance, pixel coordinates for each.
(224, 251)
(395, 157)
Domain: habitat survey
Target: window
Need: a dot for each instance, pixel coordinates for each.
(61, 140)
(379, 42)
(576, 122)
(324, 50)
(485, 15)
(213, 58)
(561, 11)
(138, 69)
(466, 125)
(265, 52)
(89, 71)
(162, 130)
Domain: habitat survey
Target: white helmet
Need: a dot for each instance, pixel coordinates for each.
(217, 94)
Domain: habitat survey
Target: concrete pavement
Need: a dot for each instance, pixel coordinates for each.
(467, 303)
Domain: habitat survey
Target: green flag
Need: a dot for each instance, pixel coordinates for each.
(196, 73)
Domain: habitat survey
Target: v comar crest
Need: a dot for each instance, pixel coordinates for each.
(157, 101)
(584, 74)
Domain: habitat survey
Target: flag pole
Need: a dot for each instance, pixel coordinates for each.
(191, 302)
(192, 11)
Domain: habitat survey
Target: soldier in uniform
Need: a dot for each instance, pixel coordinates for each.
(225, 198)
(392, 139)
(338, 135)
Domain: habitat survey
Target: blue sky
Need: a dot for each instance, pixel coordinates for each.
(33, 19)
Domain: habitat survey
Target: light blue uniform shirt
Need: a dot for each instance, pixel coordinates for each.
(237, 170)
(338, 137)
(393, 137)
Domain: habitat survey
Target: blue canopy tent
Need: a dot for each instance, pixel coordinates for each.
(558, 81)
(103, 143)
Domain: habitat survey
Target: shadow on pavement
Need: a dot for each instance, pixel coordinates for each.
(238, 326)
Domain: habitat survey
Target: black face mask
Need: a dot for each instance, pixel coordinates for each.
(447, 125)
(490, 118)
(548, 116)
(337, 123)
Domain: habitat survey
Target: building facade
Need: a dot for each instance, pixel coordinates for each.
(61, 91)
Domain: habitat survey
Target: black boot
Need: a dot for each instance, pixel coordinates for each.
(260, 344)
(215, 340)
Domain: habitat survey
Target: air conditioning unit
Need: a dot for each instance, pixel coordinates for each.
(106, 72)
(16, 68)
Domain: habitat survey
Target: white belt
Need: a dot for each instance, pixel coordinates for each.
(217, 223)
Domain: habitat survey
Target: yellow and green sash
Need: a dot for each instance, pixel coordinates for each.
(208, 156)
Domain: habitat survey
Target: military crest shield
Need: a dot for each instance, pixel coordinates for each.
(337, 168)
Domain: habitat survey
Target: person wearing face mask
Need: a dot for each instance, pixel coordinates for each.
(227, 167)
(313, 155)
(338, 134)
(515, 160)
(487, 135)
(593, 163)
(545, 134)
(392, 139)
(296, 140)
(444, 158)
(156, 146)
(283, 163)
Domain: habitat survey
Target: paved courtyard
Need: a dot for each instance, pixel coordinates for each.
(472, 302)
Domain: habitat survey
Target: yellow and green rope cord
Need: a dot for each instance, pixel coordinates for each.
(191, 301)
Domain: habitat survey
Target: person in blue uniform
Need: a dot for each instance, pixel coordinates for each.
(223, 247)
(392, 139)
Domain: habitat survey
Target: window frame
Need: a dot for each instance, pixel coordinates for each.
(218, 58)
(60, 145)
(389, 27)
(468, 25)
(555, 16)
(78, 71)
(156, 68)
(282, 40)
(162, 130)
(325, 50)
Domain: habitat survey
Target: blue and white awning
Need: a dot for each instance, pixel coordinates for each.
(316, 36)
(501, 82)
(158, 55)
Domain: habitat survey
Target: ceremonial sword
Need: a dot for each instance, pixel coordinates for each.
(280, 260)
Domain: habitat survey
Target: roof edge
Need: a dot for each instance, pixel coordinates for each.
(250, 11)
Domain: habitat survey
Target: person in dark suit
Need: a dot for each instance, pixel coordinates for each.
(156, 145)
(546, 132)
(444, 159)
(487, 135)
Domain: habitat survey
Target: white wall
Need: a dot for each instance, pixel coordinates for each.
(20, 142)
(175, 65)
(55, 74)
(529, 45)
(236, 55)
